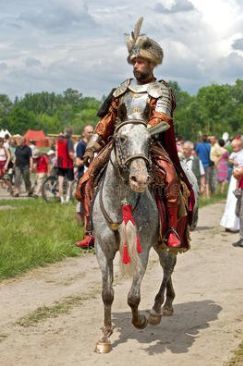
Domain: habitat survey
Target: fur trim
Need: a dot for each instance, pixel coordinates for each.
(139, 45)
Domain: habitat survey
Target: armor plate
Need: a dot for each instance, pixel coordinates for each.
(121, 88)
(136, 104)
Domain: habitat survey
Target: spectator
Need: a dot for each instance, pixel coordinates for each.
(81, 147)
(222, 166)
(7, 141)
(203, 151)
(80, 150)
(229, 220)
(65, 157)
(23, 166)
(238, 174)
(32, 145)
(41, 167)
(12, 148)
(215, 154)
(52, 161)
(179, 146)
(4, 162)
(194, 164)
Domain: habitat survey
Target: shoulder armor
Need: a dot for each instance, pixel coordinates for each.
(104, 108)
(121, 88)
(159, 89)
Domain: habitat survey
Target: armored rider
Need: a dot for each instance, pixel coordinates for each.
(152, 101)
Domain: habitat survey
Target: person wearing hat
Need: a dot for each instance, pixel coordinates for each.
(144, 98)
(41, 168)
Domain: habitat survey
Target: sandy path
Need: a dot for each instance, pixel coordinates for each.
(206, 327)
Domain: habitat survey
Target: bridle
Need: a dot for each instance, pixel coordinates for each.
(122, 165)
(120, 152)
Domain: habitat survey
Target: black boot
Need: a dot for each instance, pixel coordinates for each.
(238, 243)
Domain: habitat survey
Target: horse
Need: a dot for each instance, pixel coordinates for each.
(126, 179)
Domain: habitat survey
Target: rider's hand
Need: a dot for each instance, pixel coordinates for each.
(88, 157)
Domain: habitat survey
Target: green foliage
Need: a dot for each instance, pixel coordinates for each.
(214, 110)
(48, 111)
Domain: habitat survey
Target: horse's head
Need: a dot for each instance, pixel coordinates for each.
(132, 140)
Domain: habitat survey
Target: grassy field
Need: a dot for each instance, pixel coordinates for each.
(214, 199)
(34, 233)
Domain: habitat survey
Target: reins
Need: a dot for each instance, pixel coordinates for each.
(121, 166)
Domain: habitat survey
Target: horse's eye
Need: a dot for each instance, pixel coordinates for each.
(122, 139)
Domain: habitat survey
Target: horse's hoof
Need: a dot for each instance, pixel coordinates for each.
(168, 311)
(103, 347)
(154, 319)
(143, 322)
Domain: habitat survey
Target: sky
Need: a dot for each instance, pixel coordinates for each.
(53, 45)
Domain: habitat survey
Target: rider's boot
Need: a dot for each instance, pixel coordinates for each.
(173, 240)
(86, 242)
(89, 239)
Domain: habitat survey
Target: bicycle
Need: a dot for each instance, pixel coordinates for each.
(50, 191)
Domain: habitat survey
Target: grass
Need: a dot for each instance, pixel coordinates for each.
(237, 359)
(34, 234)
(214, 199)
(46, 312)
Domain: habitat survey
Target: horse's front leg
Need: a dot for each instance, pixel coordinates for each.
(106, 266)
(134, 297)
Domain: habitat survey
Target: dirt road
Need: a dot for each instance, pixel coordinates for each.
(206, 327)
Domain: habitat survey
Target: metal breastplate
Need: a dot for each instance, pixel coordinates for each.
(135, 105)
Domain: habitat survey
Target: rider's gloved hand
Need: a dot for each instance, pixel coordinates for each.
(88, 156)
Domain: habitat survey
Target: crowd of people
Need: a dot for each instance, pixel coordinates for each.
(213, 161)
(22, 161)
(217, 163)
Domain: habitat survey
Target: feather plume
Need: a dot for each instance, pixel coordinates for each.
(132, 38)
(137, 28)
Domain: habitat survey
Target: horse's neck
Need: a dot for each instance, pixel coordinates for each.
(115, 190)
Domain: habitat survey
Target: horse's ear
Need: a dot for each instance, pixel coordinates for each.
(161, 127)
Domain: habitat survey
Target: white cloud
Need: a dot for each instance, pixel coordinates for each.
(55, 44)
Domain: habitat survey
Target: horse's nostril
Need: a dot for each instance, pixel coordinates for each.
(133, 178)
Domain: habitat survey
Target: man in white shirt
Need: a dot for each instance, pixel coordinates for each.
(194, 164)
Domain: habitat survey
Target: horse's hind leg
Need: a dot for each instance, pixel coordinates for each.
(170, 295)
(106, 266)
(168, 262)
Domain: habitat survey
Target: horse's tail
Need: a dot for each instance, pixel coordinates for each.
(130, 262)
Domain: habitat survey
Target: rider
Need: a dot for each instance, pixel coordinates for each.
(146, 99)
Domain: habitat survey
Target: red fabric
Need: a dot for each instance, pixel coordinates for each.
(139, 246)
(38, 137)
(127, 214)
(126, 217)
(63, 159)
(173, 241)
(241, 183)
(2, 171)
(42, 164)
(125, 257)
(168, 142)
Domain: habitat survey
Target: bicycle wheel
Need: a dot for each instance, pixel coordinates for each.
(50, 189)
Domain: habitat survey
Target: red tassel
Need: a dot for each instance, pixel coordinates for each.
(139, 246)
(127, 214)
(125, 258)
